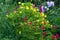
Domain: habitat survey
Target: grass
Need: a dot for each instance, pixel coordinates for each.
(54, 16)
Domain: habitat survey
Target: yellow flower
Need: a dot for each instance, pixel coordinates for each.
(47, 21)
(51, 26)
(37, 20)
(31, 7)
(34, 10)
(22, 4)
(7, 15)
(19, 2)
(27, 7)
(19, 32)
(37, 9)
(42, 22)
(45, 16)
(42, 14)
(42, 18)
(20, 12)
(21, 7)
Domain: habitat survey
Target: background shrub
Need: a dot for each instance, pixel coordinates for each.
(29, 23)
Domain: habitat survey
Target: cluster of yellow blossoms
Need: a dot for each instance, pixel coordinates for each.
(43, 16)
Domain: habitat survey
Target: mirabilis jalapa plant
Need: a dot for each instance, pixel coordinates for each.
(29, 23)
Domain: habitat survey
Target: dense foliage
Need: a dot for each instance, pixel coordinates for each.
(30, 24)
(23, 21)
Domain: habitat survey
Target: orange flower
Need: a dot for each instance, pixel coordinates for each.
(44, 23)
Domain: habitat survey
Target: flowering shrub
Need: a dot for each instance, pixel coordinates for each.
(30, 24)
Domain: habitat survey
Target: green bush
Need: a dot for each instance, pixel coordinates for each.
(30, 24)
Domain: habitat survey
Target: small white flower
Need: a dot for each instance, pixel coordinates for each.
(47, 8)
(2, 3)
